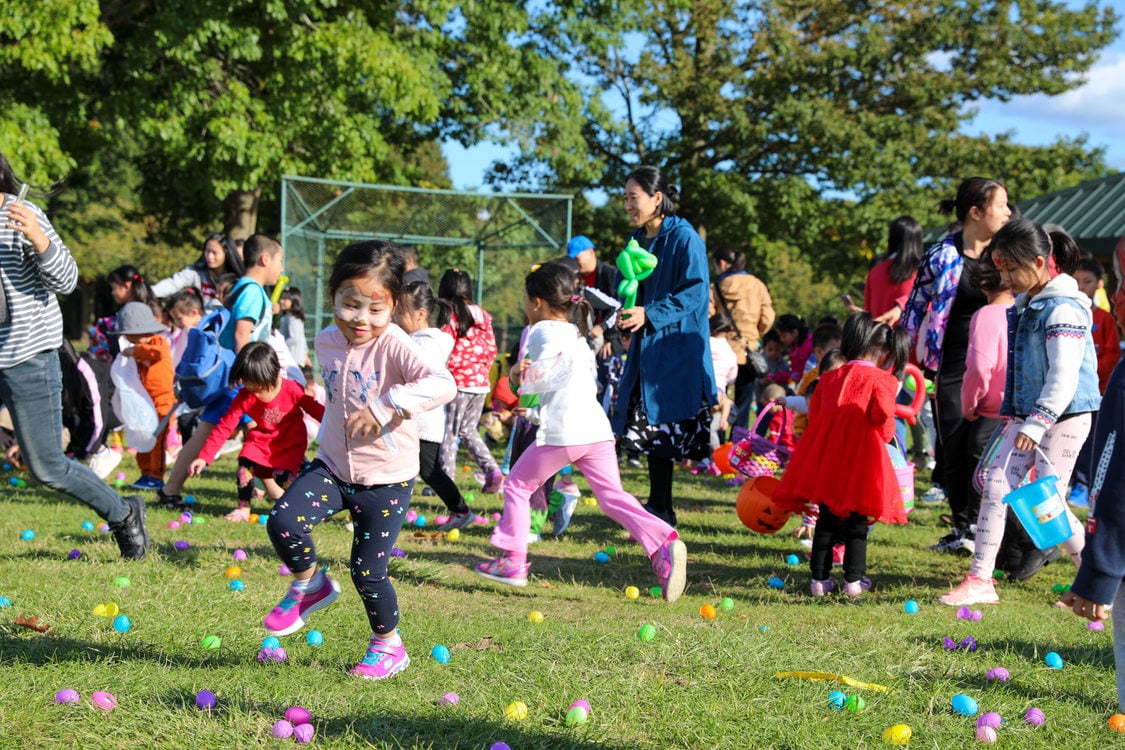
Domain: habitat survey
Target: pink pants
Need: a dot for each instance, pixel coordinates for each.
(1061, 444)
(598, 463)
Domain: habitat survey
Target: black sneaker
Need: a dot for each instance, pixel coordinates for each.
(130, 532)
(1033, 561)
(171, 502)
(954, 541)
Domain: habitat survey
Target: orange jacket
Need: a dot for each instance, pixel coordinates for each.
(154, 365)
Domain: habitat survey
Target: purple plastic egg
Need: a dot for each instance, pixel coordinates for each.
(969, 643)
(450, 699)
(272, 654)
(74, 554)
(205, 700)
(397, 552)
(283, 570)
(303, 733)
(298, 715)
(282, 729)
(949, 644)
(976, 615)
(1034, 717)
(1097, 625)
(999, 673)
(240, 555)
(499, 746)
(186, 517)
(67, 695)
(181, 545)
(990, 719)
(964, 613)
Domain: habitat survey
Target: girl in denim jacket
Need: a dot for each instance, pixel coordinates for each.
(1050, 393)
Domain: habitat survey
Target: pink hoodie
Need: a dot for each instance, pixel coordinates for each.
(986, 362)
(390, 377)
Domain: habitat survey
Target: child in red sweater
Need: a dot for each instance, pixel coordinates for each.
(274, 448)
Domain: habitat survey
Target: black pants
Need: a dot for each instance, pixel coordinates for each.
(432, 473)
(832, 529)
(745, 394)
(660, 489)
(962, 443)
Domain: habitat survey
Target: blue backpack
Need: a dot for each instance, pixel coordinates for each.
(203, 372)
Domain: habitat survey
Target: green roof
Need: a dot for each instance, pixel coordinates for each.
(1093, 212)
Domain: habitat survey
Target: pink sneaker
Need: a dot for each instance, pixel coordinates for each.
(822, 588)
(502, 571)
(670, 565)
(381, 661)
(855, 589)
(493, 482)
(972, 590)
(289, 615)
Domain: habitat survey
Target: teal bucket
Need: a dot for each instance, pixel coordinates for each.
(1042, 511)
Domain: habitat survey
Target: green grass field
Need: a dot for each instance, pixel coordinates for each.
(699, 684)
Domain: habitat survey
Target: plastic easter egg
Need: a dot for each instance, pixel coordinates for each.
(99, 610)
(271, 641)
(199, 520)
(469, 497)
(254, 518)
(210, 642)
(205, 700)
(576, 716)
(236, 585)
(420, 521)
(495, 517)
(581, 703)
(990, 719)
(411, 515)
(104, 700)
(986, 735)
(911, 608)
(239, 555)
(646, 633)
(304, 733)
(721, 458)
(727, 604)
(899, 734)
(1060, 588)
(776, 583)
(87, 525)
(314, 638)
(397, 552)
(122, 624)
(836, 699)
(17, 482)
(5, 602)
(589, 501)
(707, 612)
(515, 711)
(277, 655)
(998, 673)
(264, 519)
(298, 715)
(7, 467)
(610, 550)
(173, 525)
(763, 628)
(1053, 660)
(122, 582)
(1034, 717)
(27, 535)
(282, 729)
(453, 535)
(440, 520)
(67, 695)
(181, 545)
(632, 593)
(74, 554)
(499, 746)
(1095, 625)
(450, 699)
(964, 704)
(1116, 722)
(535, 616)
(283, 570)
(601, 557)
(440, 654)
(656, 592)
(855, 703)
(189, 499)
(103, 527)
(112, 610)
(186, 517)
(792, 560)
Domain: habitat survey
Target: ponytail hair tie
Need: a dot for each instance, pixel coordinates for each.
(575, 299)
(137, 277)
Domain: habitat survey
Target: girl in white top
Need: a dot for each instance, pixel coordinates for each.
(572, 429)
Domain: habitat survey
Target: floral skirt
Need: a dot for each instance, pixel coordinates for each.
(688, 438)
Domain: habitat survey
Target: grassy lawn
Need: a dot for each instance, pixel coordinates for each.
(699, 684)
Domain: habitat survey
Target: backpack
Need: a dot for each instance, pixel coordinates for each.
(204, 369)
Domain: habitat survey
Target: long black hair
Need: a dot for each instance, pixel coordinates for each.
(559, 287)
(864, 337)
(904, 244)
(456, 288)
(296, 302)
(1022, 241)
(139, 289)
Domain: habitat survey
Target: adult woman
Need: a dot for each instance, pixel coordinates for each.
(943, 301)
(890, 281)
(667, 384)
(220, 255)
(747, 300)
(35, 266)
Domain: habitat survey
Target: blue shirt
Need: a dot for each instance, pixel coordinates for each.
(250, 303)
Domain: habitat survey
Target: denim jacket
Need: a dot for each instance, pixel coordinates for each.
(1045, 385)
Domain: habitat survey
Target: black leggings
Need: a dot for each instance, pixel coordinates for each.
(660, 488)
(832, 529)
(432, 473)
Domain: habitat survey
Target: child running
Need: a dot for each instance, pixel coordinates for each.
(416, 314)
(572, 429)
(1050, 390)
(841, 461)
(274, 448)
(377, 385)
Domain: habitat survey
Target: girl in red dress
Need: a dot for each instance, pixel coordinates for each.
(841, 461)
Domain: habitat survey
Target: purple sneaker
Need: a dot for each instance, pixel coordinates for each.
(502, 571)
(822, 588)
(855, 589)
(289, 615)
(493, 482)
(381, 661)
(670, 565)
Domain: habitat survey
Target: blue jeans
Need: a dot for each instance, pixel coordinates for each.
(32, 391)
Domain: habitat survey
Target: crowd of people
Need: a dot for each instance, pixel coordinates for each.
(1001, 314)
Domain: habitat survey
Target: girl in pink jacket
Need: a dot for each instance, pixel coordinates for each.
(377, 383)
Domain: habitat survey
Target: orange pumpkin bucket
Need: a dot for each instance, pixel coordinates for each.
(756, 509)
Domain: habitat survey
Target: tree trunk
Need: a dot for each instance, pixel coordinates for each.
(240, 213)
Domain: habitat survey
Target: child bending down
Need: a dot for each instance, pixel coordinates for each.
(274, 448)
(842, 461)
(572, 429)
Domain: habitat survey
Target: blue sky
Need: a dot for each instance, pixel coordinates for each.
(1097, 108)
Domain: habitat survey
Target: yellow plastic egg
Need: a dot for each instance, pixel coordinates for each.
(516, 711)
(632, 592)
(535, 616)
(453, 535)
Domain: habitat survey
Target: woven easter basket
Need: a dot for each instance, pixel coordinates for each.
(756, 456)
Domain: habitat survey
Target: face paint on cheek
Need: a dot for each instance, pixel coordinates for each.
(351, 307)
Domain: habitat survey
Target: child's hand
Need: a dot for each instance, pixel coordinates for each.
(515, 374)
(23, 219)
(197, 467)
(127, 352)
(1024, 443)
(804, 530)
(724, 425)
(1084, 607)
(362, 423)
(14, 454)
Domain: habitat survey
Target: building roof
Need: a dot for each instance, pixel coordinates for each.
(1093, 212)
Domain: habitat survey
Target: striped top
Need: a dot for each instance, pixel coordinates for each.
(31, 280)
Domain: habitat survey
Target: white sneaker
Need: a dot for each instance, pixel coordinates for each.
(103, 462)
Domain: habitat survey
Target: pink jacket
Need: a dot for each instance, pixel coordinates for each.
(986, 362)
(390, 377)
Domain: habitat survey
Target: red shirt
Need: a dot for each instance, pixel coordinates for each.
(278, 439)
(1107, 344)
(880, 293)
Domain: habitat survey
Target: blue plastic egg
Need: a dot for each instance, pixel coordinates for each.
(5, 602)
(964, 704)
(792, 560)
(27, 535)
(122, 624)
(776, 583)
(189, 499)
(263, 519)
(87, 525)
(836, 699)
(420, 521)
(270, 642)
(601, 557)
(236, 584)
(314, 638)
(910, 607)
(440, 653)
(1053, 660)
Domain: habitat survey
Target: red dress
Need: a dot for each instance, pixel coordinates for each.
(841, 460)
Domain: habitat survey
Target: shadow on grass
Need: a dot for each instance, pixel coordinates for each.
(40, 649)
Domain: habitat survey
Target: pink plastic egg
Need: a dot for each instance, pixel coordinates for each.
(1096, 625)
(987, 735)
(282, 729)
(298, 715)
(450, 699)
(103, 700)
(581, 703)
(283, 570)
(439, 520)
(240, 555)
(173, 525)
(303, 733)
(999, 673)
